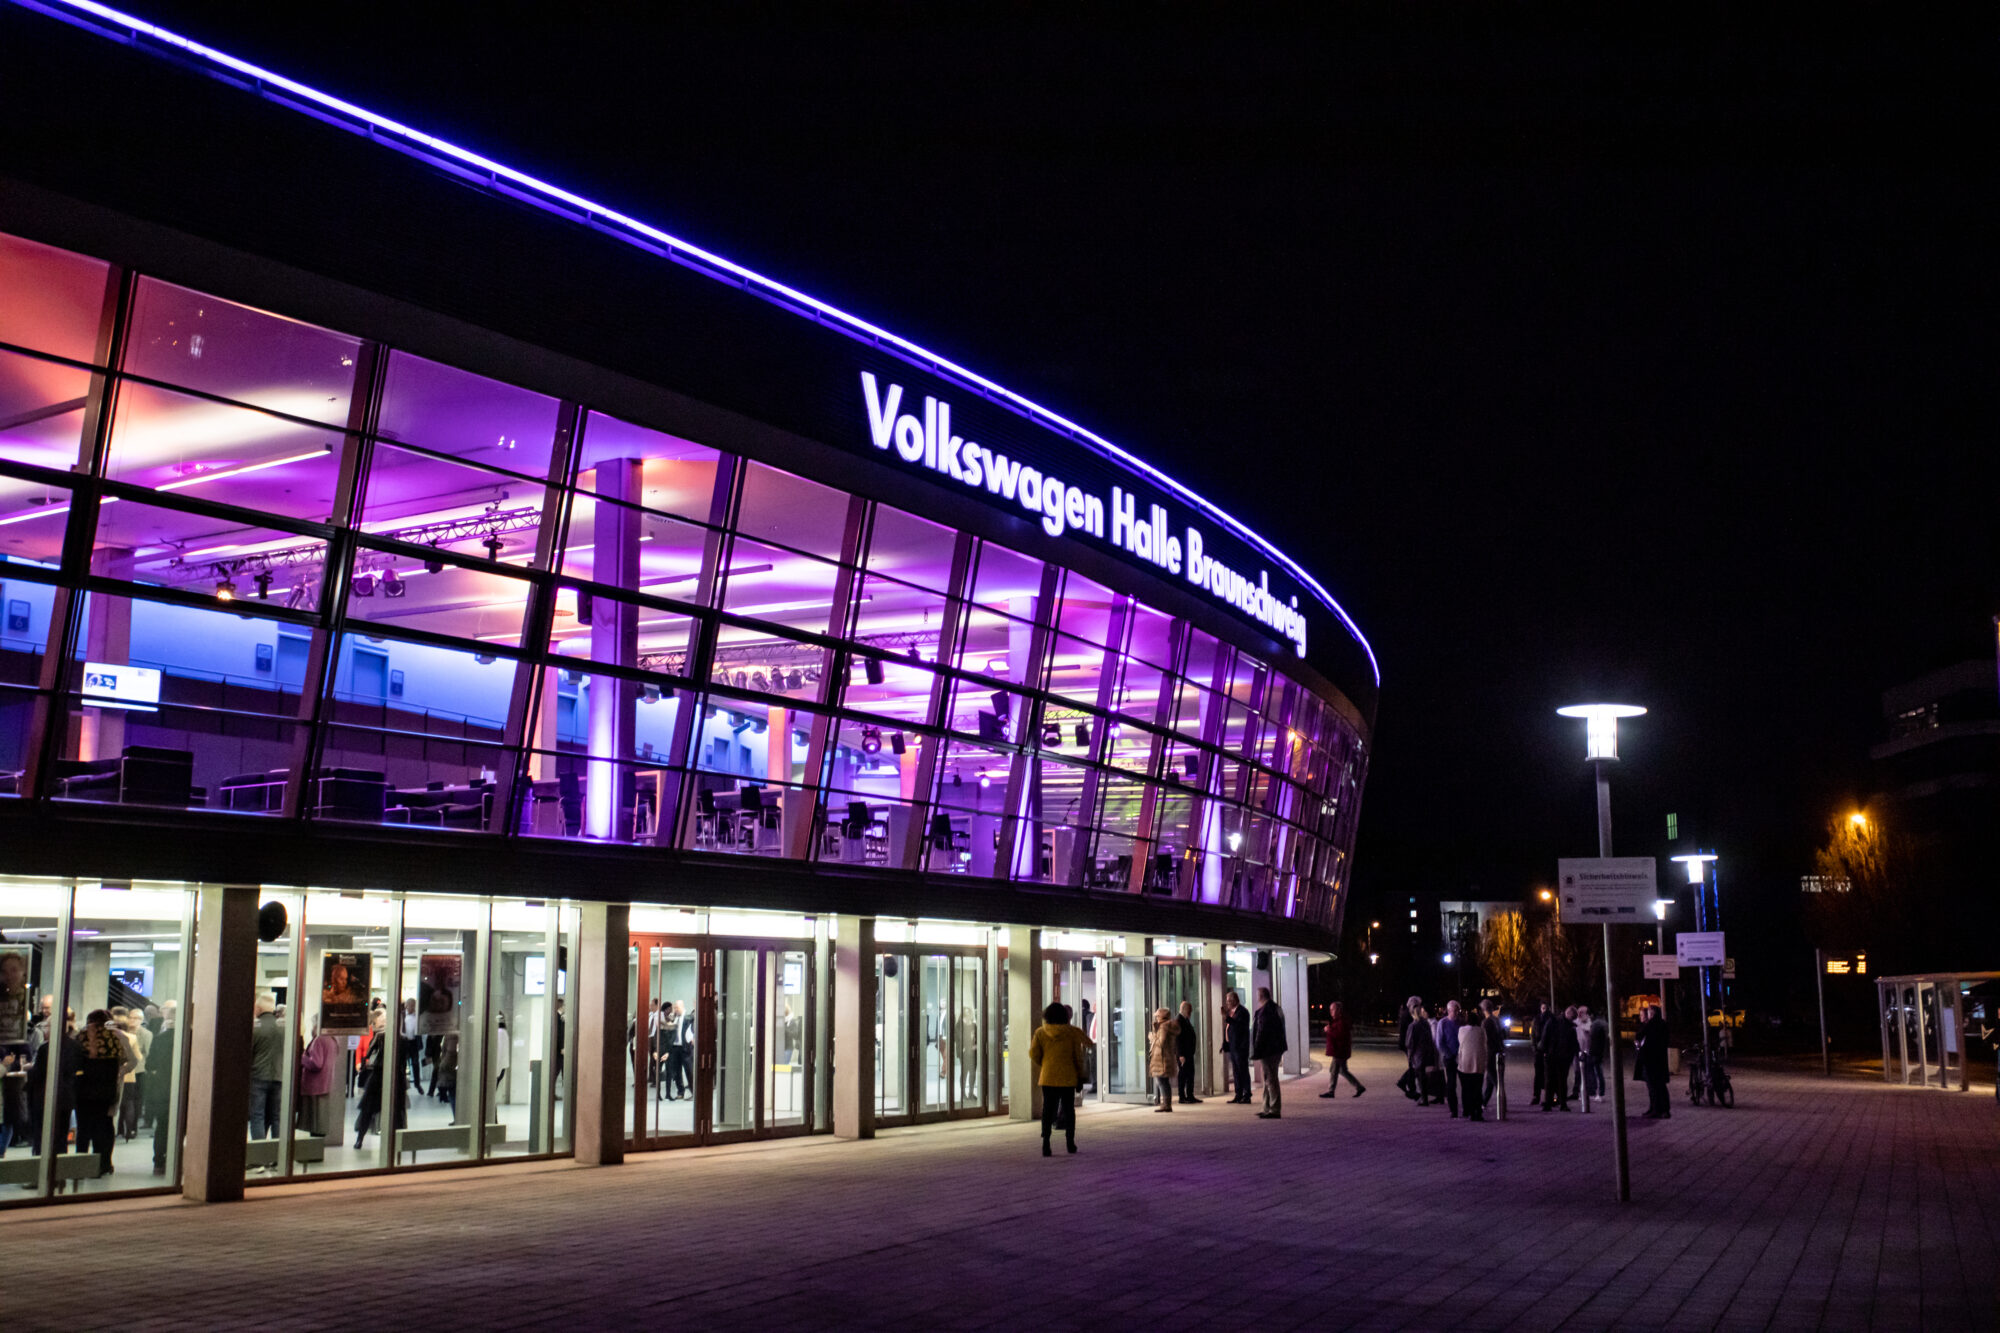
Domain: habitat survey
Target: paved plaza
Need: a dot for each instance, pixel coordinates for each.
(1845, 1205)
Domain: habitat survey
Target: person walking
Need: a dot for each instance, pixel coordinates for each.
(1472, 1058)
(267, 1069)
(1652, 1062)
(1236, 1045)
(1496, 1042)
(1447, 1034)
(106, 1059)
(1339, 1050)
(1163, 1058)
(1558, 1052)
(1268, 1047)
(1059, 1053)
(1188, 1051)
(1423, 1054)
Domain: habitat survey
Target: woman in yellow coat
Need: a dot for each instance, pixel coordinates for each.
(1060, 1054)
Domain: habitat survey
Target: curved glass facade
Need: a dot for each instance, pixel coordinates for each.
(263, 567)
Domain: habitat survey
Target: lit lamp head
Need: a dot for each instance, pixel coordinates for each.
(1694, 861)
(1600, 726)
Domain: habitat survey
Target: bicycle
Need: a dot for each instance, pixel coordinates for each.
(1707, 1076)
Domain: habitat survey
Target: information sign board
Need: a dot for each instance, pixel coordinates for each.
(1617, 890)
(1662, 967)
(1700, 948)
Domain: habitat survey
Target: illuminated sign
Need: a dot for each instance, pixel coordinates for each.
(1843, 967)
(1151, 535)
(136, 689)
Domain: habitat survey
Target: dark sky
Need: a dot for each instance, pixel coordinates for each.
(1576, 360)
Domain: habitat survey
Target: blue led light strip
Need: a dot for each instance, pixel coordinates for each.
(519, 184)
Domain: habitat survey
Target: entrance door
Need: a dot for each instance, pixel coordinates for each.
(720, 1043)
(1129, 1007)
(931, 1031)
(1072, 980)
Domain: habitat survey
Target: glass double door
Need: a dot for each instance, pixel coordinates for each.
(1113, 1001)
(931, 1043)
(719, 1042)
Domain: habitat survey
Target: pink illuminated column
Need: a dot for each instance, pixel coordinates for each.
(614, 638)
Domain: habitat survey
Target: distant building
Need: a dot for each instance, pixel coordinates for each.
(1943, 743)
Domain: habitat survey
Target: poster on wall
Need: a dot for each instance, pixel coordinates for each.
(15, 967)
(343, 992)
(437, 993)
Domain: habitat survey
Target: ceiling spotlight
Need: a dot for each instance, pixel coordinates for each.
(873, 669)
(433, 565)
(1190, 764)
(758, 683)
(262, 578)
(1051, 735)
(985, 781)
(896, 743)
(795, 681)
(649, 694)
(364, 585)
(225, 591)
(494, 546)
(742, 680)
(1001, 705)
(1083, 735)
(871, 741)
(957, 781)
(392, 584)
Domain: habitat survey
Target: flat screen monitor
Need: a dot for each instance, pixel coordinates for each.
(134, 688)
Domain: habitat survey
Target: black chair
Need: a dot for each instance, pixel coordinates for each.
(859, 817)
(941, 832)
(571, 792)
(349, 793)
(141, 775)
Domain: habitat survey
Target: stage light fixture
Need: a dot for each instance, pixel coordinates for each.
(1083, 735)
(896, 743)
(364, 585)
(392, 584)
(873, 670)
(262, 578)
(433, 566)
(225, 590)
(1051, 736)
(1002, 706)
(871, 741)
(758, 683)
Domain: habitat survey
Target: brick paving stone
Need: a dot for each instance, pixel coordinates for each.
(1843, 1205)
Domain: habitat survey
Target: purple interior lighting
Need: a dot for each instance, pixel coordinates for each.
(520, 185)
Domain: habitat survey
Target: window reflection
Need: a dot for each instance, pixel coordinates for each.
(452, 411)
(175, 442)
(50, 299)
(233, 351)
(41, 410)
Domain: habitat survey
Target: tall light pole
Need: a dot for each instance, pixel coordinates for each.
(1554, 921)
(1600, 747)
(1702, 877)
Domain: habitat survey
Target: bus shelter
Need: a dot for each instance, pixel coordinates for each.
(1929, 1021)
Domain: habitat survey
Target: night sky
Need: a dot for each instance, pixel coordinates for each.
(1576, 361)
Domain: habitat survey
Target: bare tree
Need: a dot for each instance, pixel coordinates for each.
(1509, 956)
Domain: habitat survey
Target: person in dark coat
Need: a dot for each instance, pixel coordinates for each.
(1652, 1063)
(160, 1083)
(1423, 1052)
(1558, 1054)
(104, 1060)
(380, 1069)
(1339, 1050)
(1538, 1029)
(1407, 1020)
(1496, 1043)
(60, 1059)
(1268, 1047)
(1187, 1049)
(1236, 1045)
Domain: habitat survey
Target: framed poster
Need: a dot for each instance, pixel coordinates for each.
(15, 968)
(343, 992)
(438, 976)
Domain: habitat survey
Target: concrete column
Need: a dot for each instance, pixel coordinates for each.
(854, 1028)
(218, 1025)
(604, 955)
(1024, 1012)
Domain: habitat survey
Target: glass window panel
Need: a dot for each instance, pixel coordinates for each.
(234, 351)
(751, 792)
(1235, 728)
(590, 626)
(1085, 612)
(179, 754)
(601, 798)
(993, 715)
(41, 410)
(452, 411)
(1132, 747)
(1192, 709)
(31, 925)
(346, 954)
(1054, 802)
(995, 645)
(17, 713)
(1070, 731)
(418, 687)
(678, 476)
(870, 790)
(478, 604)
(33, 520)
(748, 659)
(670, 551)
(1076, 669)
(441, 942)
(50, 299)
(889, 688)
(803, 515)
(173, 442)
(229, 660)
(1149, 635)
(911, 549)
(437, 502)
(563, 725)
(223, 558)
(781, 588)
(1007, 582)
(971, 797)
(1139, 687)
(898, 617)
(426, 781)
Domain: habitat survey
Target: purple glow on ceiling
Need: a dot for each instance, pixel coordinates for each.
(521, 185)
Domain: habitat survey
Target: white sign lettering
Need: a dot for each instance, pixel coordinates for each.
(1608, 888)
(927, 441)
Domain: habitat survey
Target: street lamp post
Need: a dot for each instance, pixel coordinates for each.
(1600, 747)
(1702, 876)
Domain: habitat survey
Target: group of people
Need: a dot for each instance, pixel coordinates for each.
(113, 1078)
(1063, 1058)
(1569, 1055)
(1453, 1058)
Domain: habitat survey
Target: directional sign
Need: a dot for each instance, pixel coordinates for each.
(1662, 966)
(1700, 948)
(1617, 890)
